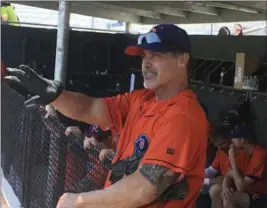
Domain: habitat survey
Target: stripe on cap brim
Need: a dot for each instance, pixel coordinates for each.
(134, 51)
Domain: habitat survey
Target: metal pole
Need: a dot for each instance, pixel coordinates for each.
(127, 27)
(62, 41)
(211, 29)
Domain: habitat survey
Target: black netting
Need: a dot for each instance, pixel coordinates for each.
(13, 139)
(39, 161)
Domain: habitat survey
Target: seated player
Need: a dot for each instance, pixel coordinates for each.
(96, 137)
(219, 139)
(242, 164)
(90, 168)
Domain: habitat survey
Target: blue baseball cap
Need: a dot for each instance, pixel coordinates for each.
(242, 131)
(162, 38)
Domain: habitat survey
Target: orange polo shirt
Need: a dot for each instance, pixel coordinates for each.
(172, 133)
(254, 166)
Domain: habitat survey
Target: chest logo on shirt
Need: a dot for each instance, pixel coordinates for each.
(141, 145)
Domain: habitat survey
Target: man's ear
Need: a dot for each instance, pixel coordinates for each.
(183, 60)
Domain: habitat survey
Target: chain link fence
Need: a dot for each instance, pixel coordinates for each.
(39, 161)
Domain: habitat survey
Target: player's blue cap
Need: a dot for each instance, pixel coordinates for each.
(162, 38)
(242, 131)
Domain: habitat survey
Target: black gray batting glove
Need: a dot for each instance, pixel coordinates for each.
(45, 91)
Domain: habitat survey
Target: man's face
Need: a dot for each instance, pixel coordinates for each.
(162, 69)
(238, 142)
(222, 144)
(237, 29)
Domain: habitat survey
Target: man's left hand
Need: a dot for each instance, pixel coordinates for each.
(68, 200)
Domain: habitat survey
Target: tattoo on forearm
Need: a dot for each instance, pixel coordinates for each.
(159, 176)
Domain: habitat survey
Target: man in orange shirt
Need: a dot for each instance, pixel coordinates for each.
(243, 165)
(160, 156)
(219, 138)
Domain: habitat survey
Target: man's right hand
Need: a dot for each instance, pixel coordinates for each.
(227, 193)
(45, 91)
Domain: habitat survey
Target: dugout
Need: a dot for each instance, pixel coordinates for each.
(40, 161)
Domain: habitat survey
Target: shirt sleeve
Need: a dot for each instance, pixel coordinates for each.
(178, 143)
(118, 109)
(257, 164)
(216, 162)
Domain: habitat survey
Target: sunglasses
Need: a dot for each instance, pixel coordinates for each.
(166, 45)
(149, 38)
